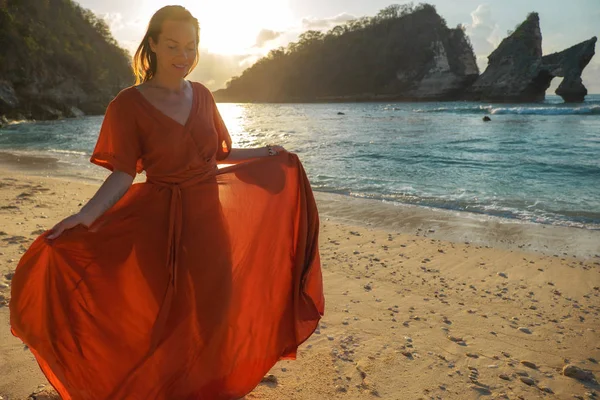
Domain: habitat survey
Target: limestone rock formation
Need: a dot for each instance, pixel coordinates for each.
(447, 77)
(518, 72)
(569, 64)
(405, 53)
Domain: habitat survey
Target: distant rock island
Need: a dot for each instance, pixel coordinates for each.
(403, 53)
(408, 53)
(517, 71)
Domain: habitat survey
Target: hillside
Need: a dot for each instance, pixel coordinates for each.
(403, 53)
(57, 59)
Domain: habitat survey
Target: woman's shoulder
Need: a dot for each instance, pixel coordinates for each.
(201, 89)
(126, 95)
(123, 104)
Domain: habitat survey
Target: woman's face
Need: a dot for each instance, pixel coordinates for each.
(176, 48)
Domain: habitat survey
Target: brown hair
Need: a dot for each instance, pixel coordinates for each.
(144, 60)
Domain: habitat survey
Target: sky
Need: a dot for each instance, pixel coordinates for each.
(236, 33)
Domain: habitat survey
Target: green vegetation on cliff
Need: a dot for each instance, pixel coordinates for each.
(385, 55)
(54, 55)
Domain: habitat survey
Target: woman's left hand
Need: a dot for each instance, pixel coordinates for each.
(278, 149)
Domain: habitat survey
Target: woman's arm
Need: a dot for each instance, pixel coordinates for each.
(111, 191)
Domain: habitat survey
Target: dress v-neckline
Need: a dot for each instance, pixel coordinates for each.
(156, 109)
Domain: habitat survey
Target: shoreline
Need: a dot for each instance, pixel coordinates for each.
(461, 226)
(439, 223)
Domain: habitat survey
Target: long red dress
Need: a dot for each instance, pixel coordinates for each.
(193, 285)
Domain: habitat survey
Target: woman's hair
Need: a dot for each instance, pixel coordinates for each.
(144, 60)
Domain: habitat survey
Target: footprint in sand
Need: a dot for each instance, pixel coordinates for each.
(15, 240)
(44, 394)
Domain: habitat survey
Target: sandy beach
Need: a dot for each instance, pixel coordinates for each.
(420, 303)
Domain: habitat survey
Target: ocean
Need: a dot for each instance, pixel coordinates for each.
(536, 163)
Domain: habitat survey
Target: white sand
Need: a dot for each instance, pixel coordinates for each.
(399, 282)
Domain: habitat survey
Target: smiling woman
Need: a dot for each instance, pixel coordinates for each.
(176, 51)
(190, 285)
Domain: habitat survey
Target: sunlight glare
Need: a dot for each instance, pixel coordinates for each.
(234, 116)
(231, 26)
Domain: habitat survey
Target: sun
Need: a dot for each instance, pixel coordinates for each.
(231, 26)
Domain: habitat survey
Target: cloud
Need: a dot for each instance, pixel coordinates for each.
(326, 23)
(484, 33)
(214, 70)
(114, 21)
(266, 35)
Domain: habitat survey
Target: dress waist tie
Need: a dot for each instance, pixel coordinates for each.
(173, 246)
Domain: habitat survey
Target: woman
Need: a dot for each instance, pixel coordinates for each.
(191, 285)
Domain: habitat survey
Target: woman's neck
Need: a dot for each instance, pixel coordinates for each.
(173, 85)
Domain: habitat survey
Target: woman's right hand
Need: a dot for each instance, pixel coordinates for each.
(68, 223)
(113, 188)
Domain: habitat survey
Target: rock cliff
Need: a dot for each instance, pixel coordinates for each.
(569, 64)
(403, 53)
(57, 59)
(518, 72)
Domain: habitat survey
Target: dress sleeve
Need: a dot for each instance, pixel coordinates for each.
(118, 146)
(224, 144)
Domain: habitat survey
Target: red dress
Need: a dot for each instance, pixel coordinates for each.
(193, 285)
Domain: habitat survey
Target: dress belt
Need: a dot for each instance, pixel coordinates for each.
(174, 241)
(176, 221)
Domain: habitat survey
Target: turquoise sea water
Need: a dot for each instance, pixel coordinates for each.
(532, 162)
